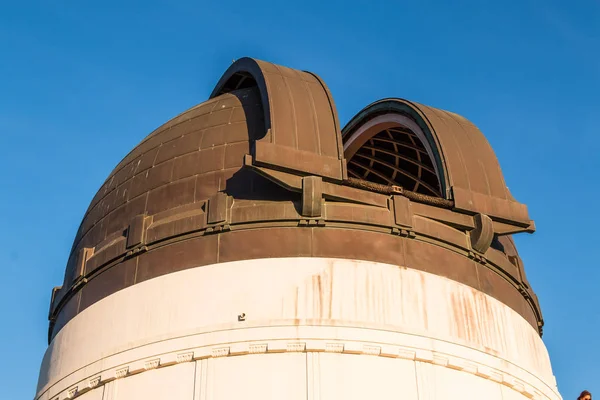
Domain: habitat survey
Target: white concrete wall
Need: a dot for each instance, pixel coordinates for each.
(314, 329)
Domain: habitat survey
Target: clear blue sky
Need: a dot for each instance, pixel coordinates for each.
(80, 85)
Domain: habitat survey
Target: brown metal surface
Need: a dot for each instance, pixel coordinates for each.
(299, 115)
(258, 171)
(466, 165)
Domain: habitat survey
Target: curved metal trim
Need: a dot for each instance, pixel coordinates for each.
(250, 66)
(336, 119)
(408, 110)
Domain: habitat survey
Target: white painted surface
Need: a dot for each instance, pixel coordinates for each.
(349, 377)
(173, 383)
(403, 334)
(96, 394)
(257, 376)
(444, 383)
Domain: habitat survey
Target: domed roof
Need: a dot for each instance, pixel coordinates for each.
(264, 161)
(454, 160)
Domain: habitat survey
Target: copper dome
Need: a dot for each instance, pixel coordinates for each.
(265, 160)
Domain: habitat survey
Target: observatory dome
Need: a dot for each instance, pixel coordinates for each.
(253, 224)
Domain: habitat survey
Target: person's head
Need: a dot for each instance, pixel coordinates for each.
(585, 395)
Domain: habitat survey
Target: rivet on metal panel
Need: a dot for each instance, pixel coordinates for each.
(404, 233)
(311, 222)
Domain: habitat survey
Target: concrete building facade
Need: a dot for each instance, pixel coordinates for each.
(252, 248)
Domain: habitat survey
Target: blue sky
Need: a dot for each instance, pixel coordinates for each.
(82, 83)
